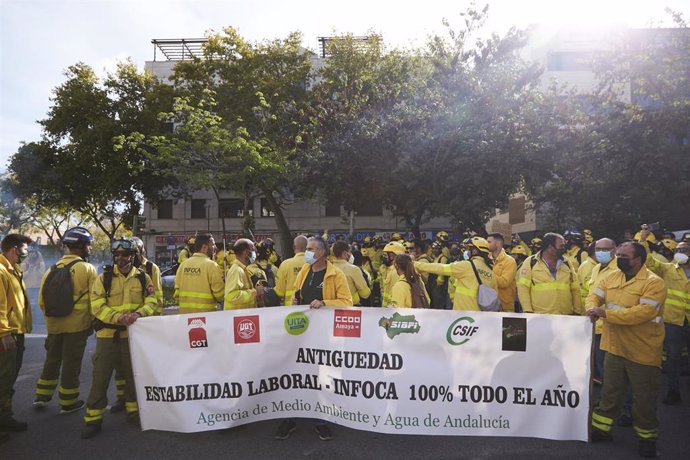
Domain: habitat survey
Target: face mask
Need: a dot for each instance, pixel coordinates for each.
(681, 258)
(385, 260)
(22, 256)
(309, 257)
(252, 257)
(466, 255)
(560, 252)
(455, 252)
(603, 257)
(351, 259)
(623, 264)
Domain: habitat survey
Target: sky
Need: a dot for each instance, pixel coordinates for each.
(39, 39)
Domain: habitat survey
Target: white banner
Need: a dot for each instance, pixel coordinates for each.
(386, 370)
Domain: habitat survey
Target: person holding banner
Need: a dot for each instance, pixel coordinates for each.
(119, 296)
(631, 303)
(319, 284)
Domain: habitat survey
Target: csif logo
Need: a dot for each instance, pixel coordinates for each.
(197, 332)
(347, 323)
(247, 329)
(461, 331)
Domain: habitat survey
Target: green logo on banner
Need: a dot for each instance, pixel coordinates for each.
(296, 323)
(461, 330)
(398, 324)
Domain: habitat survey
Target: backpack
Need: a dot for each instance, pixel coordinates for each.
(487, 298)
(108, 280)
(58, 291)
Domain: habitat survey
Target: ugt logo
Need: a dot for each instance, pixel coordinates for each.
(247, 329)
(197, 332)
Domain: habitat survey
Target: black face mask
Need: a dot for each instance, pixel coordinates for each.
(560, 252)
(623, 264)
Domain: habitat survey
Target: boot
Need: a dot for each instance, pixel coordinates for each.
(90, 430)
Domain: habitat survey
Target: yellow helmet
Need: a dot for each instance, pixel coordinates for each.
(478, 242)
(442, 236)
(409, 245)
(669, 244)
(395, 236)
(518, 250)
(395, 247)
(535, 243)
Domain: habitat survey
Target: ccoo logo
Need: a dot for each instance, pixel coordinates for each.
(247, 329)
(197, 332)
(461, 330)
(347, 323)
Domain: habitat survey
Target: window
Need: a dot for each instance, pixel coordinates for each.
(165, 208)
(569, 61)
(232, 208)
(198, 209)
(332, 208)
(266, 209)
(516, 210)
(371, 208)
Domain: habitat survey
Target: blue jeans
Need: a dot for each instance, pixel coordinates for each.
(676, 338)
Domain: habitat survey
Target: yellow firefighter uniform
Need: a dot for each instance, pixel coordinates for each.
(540, 292)
(287, 274)
(239, 289)
(355, 280)
(505, 268)
(199, 284)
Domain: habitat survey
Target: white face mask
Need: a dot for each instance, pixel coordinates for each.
(351, 259)
(252, 257)
(466, 255)
(681, 258)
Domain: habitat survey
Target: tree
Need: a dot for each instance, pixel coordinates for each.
(248, 100)
(624, 150)
(75, 165)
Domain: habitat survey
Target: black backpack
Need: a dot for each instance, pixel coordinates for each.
(58, 291)
(108, 280)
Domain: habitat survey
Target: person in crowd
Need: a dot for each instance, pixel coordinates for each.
(288, 270)
(240, 290)
(67, 335)
(344, 260)
(409, 290)
(199, 283)
(547, 283)
(119, 297)
(15, 322)
(631, 303)
(505, 269)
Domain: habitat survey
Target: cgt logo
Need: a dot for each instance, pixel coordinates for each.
(461, 330)
(197, 332)
(247, 329)
(347, 323)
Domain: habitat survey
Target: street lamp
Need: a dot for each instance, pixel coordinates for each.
(208, 216)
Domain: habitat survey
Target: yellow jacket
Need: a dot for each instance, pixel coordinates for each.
(375, 256)
(633, 326)
(539, 292)
(156, 279)
(355, 280)
(287, 274)
(572, 256)
(225, 256)
(183, 255)
(15, 311)
(677, 306)
(467, 286)
(584, 274)
(505, 268)
(83, 276)
(126, 296)
(599, 273)
(199, 284)
(239, 289)
(401, 296)
(335, 290)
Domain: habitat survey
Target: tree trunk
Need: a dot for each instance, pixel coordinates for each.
(220, 213)
(286, 238)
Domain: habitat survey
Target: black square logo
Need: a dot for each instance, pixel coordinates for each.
(514, 334)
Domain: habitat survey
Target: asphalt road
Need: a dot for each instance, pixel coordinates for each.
(52, 436)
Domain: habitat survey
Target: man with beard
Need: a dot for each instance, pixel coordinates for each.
(199, 285)
(119, 296)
